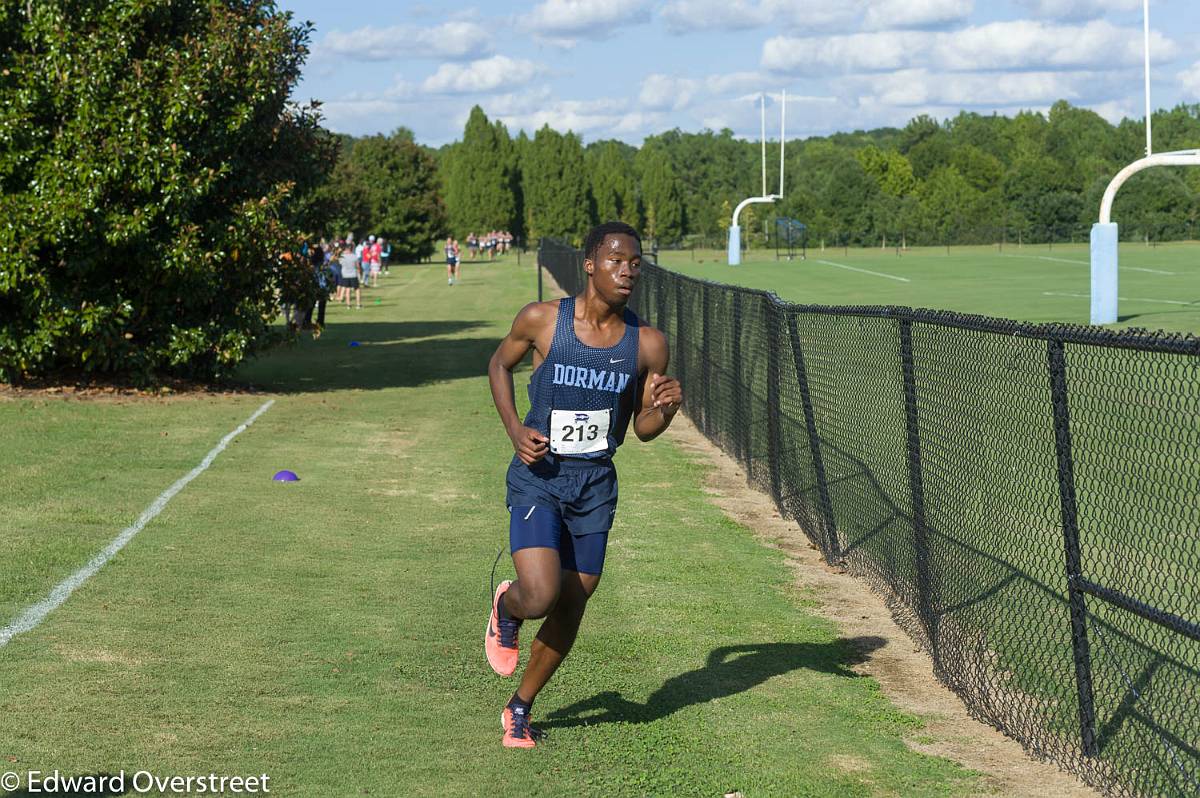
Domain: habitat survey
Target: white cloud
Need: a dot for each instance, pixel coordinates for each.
(497, 72)
(684, 16)
(889, 14)
(400, 89)
(668, 92)
(665, 92)
(1189, 80)
(347, 115)
(1116, 110)
(599, 118)
(458, 39)
(918, 87)
(858, 52)
(1032, 45)
(809, 14)
(734, 82)
(1020, 45)
(600, 18)
(718, 122)
(1077, 9)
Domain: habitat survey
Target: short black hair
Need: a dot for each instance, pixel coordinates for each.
(597, 234)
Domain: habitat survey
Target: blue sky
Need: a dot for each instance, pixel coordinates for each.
(629, 68)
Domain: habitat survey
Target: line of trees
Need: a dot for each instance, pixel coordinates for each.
(971, 179)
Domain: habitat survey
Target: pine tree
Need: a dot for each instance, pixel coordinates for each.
(660, 196)
(480, 184)
(555, 186)
(613, 184)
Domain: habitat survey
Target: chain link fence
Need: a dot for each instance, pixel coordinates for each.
(1026, 497)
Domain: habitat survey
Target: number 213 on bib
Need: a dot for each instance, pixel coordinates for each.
(579, 431)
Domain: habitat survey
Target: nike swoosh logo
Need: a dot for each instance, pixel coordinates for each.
(618, 360)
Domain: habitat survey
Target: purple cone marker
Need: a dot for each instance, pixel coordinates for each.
(286, 476)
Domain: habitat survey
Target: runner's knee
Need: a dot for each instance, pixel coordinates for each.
(538, 598)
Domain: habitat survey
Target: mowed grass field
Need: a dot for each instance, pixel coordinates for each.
(328, 632)
(1159, 286)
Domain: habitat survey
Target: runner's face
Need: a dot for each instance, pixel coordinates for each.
(617, 266)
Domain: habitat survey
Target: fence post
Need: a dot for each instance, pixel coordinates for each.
(539, 269)
(682, 346)
(833, 550)
(917, 488)
(774, 450)
(1074, 563)
(741, 432)
(705, 361)
(660, 306)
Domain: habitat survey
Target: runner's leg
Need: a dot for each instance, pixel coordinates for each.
(536, 589)
(557, 635)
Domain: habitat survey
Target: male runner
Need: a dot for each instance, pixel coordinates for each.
(451, 260)
(596, 367)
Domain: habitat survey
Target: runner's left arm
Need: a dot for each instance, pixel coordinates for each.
(661, 395)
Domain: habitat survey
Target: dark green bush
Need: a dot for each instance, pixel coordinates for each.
(153, 177)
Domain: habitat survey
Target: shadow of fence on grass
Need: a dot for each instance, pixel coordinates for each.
(729, 670)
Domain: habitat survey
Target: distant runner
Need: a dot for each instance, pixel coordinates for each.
(451, 260)
(596, 367)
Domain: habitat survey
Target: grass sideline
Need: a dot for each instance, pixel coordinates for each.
(328, 632)
(1160, 285)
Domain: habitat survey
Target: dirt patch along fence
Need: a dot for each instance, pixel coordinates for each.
(1025, 496)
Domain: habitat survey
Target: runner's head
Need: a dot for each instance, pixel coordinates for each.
(613, 260)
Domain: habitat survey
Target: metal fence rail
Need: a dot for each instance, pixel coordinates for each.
(1025, 496)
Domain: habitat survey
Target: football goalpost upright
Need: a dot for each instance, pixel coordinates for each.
(735, 232)
(1104, 232)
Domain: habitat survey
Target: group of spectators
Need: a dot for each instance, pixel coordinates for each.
(346, 267)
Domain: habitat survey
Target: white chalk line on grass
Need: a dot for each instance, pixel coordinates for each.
(36, 613)
(864, 271)
(1088, 263)
(1122, 298)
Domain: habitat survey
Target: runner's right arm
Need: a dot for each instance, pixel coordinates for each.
(529, 444)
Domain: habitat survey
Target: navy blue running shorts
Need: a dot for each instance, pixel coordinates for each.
(566, 504)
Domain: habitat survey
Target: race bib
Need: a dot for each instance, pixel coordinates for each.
(579, 431)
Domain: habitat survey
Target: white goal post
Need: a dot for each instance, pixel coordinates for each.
(1104, 234)
(735, 231)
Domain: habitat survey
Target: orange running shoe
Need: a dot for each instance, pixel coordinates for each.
(517, 731)
(500, 639)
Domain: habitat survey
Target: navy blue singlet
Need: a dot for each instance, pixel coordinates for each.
(575, 376)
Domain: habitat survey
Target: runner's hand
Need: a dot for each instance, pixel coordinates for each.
(529, 444)
(665, 393)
